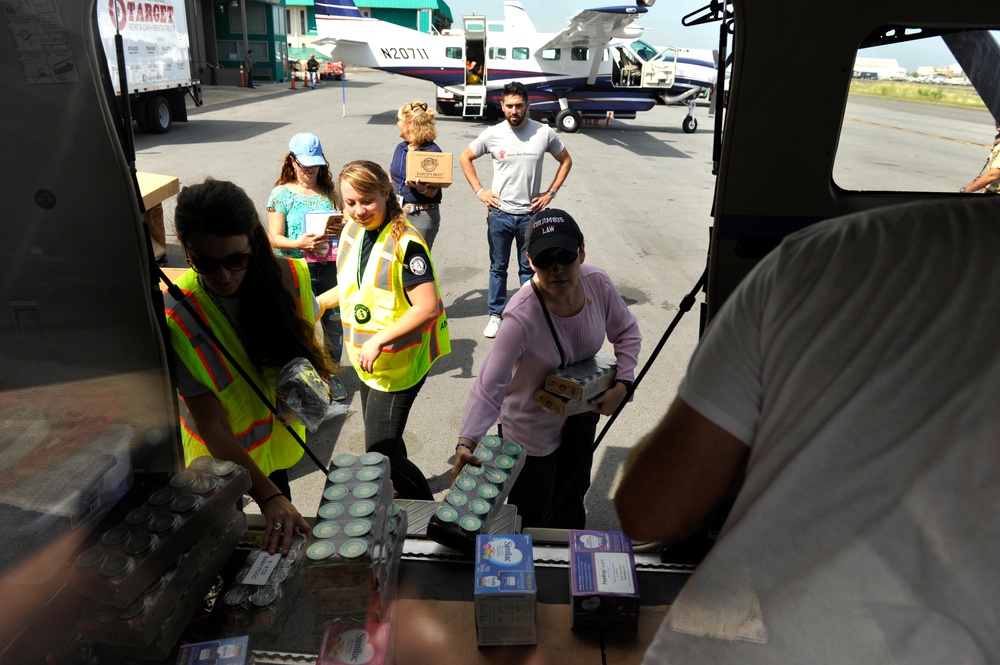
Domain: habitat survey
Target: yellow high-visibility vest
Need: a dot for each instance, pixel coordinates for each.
(378, 302)
(270, 446)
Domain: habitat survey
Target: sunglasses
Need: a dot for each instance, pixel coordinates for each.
(415, 106)
(302, 166)
(546, 260)
(233, 263)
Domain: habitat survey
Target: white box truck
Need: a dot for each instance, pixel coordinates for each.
(157, 59)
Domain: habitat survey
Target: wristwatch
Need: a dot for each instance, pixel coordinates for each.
(962, 191)
(551, 193)
(626, 383)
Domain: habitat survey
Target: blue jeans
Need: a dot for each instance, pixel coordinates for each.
(502, 227)
(323, 277)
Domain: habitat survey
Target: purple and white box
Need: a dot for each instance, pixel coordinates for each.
(603, 585)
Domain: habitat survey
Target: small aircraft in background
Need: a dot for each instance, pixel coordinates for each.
(595, 68)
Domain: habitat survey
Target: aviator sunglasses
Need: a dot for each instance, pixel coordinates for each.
(546, 260)
(233, 263)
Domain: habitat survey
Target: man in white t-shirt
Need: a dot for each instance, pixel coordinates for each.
(518, 146)
(856, 374)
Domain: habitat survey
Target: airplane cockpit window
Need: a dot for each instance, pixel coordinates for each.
(551, 54)
(579, 53)
(921, 112)
(520, 52)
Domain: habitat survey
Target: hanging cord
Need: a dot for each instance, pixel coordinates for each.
(686, 304)
(179, 296)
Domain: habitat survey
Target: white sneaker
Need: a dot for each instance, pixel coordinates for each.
(493, 327)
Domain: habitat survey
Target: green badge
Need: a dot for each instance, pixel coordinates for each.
(362, 314)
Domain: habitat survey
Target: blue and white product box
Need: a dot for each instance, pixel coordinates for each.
(505, 590)
(603, 585)
(230, 651)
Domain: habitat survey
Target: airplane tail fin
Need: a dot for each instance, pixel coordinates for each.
(516, 20)
(337, 9)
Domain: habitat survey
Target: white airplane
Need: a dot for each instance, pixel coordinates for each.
(596, 68)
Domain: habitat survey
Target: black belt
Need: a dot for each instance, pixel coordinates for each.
(410, 208)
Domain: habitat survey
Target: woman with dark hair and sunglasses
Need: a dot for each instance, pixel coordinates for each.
(394, 321)
(421, 201)
(560, 317)
(262, 309)
(305, 186)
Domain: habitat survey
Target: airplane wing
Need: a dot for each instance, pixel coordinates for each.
(595, 27)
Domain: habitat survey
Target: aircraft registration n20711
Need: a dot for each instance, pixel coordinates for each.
(596, 67)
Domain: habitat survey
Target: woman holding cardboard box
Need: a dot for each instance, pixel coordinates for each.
(561, 317)
(304, 189)
(420, 201)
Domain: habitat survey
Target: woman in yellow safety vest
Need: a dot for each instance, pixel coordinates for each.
(394, 321)
(261, 308)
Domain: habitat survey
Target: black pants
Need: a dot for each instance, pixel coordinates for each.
(543, 479)
(385, 415)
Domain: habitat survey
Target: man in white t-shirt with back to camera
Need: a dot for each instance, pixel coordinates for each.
(855, 372)
(518, 146)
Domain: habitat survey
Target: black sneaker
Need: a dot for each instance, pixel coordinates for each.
(338, 389)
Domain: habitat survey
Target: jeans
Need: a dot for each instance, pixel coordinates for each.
(543, 479)
(385, 415)
(313, 77)
(323, 277)
(428, 222)
(502, 227)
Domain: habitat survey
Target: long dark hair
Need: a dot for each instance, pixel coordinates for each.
(324, 180)
(272, 330)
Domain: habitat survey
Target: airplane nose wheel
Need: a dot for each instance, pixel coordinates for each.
(568, 121)
(689, 125)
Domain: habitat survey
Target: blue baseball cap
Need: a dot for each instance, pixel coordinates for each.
(307, 149)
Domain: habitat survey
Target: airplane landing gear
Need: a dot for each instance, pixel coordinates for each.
(568, 121)
(690, 124)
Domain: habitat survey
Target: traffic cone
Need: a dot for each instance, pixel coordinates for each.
(242, 80)
(293, 81)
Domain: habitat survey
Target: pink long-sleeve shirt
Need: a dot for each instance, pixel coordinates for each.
(524, 354)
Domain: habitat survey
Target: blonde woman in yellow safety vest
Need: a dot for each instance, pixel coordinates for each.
(262, 309)
(394, 321)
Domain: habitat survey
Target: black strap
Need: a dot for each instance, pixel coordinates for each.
(552, 328)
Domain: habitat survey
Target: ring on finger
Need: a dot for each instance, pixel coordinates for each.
(277, 526)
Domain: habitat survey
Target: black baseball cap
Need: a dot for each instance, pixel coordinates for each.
(552, 228)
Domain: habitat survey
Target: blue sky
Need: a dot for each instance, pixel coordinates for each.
(663, 26)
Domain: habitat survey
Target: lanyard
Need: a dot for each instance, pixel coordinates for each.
(552, 328)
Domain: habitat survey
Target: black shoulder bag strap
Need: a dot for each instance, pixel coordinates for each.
(552, 328)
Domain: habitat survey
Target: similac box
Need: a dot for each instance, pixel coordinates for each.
(603, 585)
(357, 644)
(505, 590)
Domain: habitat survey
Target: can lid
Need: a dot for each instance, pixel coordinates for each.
(326, 530)
(139, 516)
(115, 566)
(488, 491)
(205, 485)
(512, 449)
(154, 586)
(182, 479)
(465, 483)
(184, 504)
(492, 441)
(115, 536)
(470, 523)
(352, 549)
(479, 507)
(485, 454)
(162, 524)
(335, 493)
(394, 509)
(136, 608)
(238, 594)
(330, 511)
(446, 514)
(340, 475)
(504, 462)
(203, 463)
(496, 476)
(365, 491)
(320, 550)
(161, 497)
(224, 468)
(369, 473)
(91, 557)
(264, 596)
(370, 459)
(456, 498)
(473, 470)
(345, 459)
(361, 509)
(357, 528)
(139, 544)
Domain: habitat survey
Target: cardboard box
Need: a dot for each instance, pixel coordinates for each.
(560, 405)
(432, 167)
(584, 380)
(604, 588)
(228, 651)
(355, 643)
(505, 590)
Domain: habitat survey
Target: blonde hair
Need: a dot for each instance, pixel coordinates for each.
(367, 177)
(419, 120)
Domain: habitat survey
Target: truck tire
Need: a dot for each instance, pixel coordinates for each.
(158, 115)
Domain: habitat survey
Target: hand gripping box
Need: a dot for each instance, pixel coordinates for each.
(430, 167)
(604, 589)
(505, 590)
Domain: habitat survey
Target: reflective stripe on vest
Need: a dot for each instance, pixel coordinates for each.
(405, 361)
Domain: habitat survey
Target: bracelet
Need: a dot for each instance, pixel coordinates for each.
(261, 504)
(462, 444)
(480, 191)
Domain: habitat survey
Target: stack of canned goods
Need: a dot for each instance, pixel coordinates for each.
(356, 534)
(475, 498)
(245, 603)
